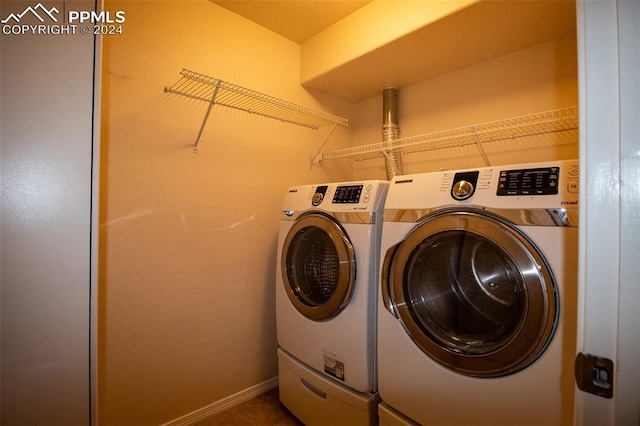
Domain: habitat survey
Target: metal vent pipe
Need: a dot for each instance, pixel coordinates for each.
(390, 131)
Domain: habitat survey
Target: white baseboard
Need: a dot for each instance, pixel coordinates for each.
(224, 404)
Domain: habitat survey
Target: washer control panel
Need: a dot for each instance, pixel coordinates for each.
(347, 194)
(336, 198)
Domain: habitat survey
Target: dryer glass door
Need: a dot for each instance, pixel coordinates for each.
(474, 293)
(318, 267)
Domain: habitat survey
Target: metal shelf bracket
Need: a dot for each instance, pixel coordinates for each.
(558, 120)
(215, 91)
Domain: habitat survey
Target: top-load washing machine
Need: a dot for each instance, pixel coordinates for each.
(477, 308)
(326, 292)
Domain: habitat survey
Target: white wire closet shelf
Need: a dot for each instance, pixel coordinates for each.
(557, 120)
(215, 91)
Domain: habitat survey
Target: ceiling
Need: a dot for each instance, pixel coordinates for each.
(297, 20)
(421, 39)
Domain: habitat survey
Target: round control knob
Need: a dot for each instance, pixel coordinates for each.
(317, 198)
(462, 190)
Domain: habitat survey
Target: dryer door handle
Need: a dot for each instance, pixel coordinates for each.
(385, 281)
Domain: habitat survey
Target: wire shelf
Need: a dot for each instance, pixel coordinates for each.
(527, 125)
(218, 92)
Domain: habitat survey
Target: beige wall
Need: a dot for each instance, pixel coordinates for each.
(188, 240)
(541, 78)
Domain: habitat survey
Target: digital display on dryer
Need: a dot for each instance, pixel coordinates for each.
(347, 194)
(542, 181)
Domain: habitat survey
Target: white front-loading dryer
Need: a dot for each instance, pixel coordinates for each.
(326, 293)
(477, 308)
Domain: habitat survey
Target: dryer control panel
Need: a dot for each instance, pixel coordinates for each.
(539, 181)
(464, 185)
(318, 195)
(543, 185)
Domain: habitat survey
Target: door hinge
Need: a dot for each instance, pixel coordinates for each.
(594, 375)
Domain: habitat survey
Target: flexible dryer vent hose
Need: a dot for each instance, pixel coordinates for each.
(391, 131)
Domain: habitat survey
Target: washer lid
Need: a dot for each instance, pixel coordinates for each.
(473, 292)
(318, 266)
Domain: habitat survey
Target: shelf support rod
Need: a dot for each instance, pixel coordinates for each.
(206, 116)
(318, 156)
(483, 154)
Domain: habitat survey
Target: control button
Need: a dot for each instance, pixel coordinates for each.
(366, 198)
(369, 187)
(462, 190)
(573, 170)
(317, 198)
(573, 187)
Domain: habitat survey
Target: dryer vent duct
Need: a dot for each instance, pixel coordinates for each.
(390, 131)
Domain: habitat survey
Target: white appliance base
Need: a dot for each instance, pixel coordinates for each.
(317, 400)
(390, 417)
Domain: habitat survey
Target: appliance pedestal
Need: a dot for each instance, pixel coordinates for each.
(318, 400)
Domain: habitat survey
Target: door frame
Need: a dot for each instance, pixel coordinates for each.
(609, 298)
